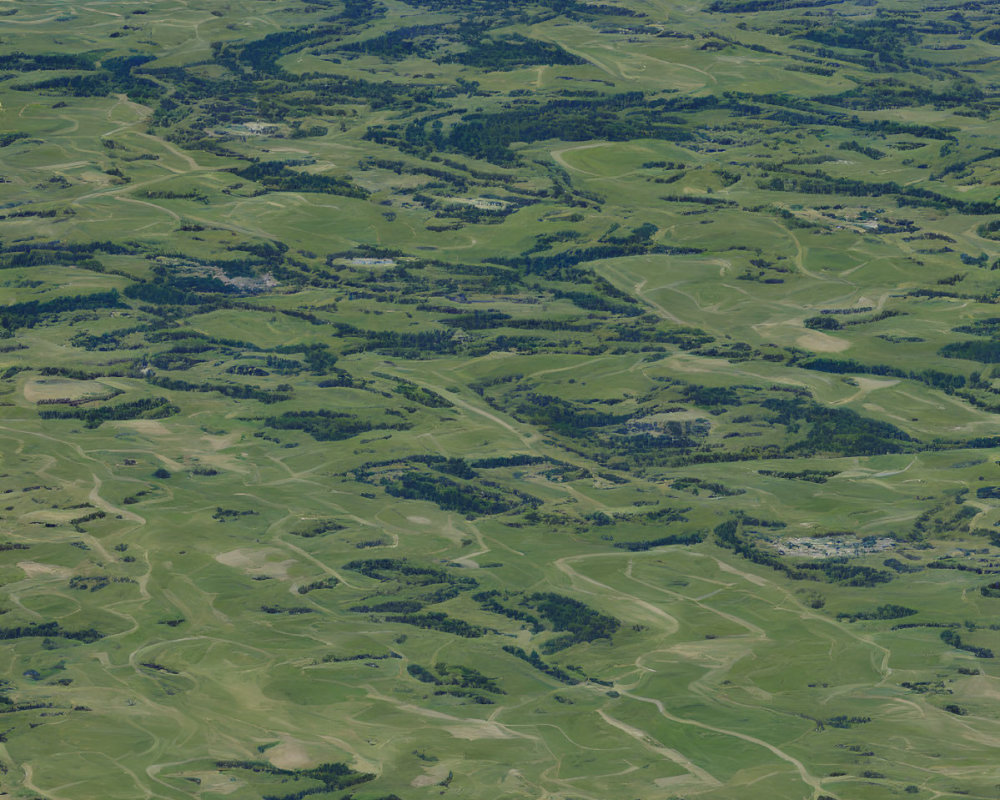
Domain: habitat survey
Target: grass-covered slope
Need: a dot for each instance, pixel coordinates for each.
(499, 400)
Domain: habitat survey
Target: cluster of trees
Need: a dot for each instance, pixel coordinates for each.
(887, 611)
(871, 152)
(334, 659)
(488, 601)
(439, 621)
(488, 136)
(605, 431)
(418, 394)
(76, 522)
(327, 426)
(94, 583)
(838, 570)
(894, 93)
(116, 76)
(158, 667)
(6, 140)
(662, 541)
(658, 517)
(512, 52)
(262, 55)
(489, 498)
(793, 111)
(407, 42)
(536, 661)
(147, 408)
(403, 344)
(452, 496)
(884, 36)
(191, 337)
(110, 340)
(247, 369)
(191, 194)
(328, 778)
(230, 514)
(990, 590)
(163, 294)
(28, 314)
(580, 622)
(52, 630)
(949, 637)
(958, 566)
(751, 6)
(399, 570)
(756, 522)
(900, 567)
(318, 359)
(405, 284)
(389, 607)
(460, 183)
(701, 485)
(981, 327)
(175, 359)
(455, 675)
(23, 62)
(595, 302)
(844, 721)
(437, 43)
(413, 587)
(563, 265)
(811, 475)
(989, 230)
(837, 430)
(647, 329)
(253, 85)
(278, 176)
(290, 610)
(458, 467)
(563, 416)
(77, 401)
(946, 381)
(318, 528)
(518, 460)
(985, 352)
(507, 12)
(821, 183)
(457, 687)
(827, 322)
(242, 391)
(283, 366)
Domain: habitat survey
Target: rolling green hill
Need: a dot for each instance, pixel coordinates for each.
(499, 400)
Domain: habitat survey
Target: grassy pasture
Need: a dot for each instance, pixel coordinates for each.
(254, 505)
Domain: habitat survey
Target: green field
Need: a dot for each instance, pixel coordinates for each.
(499, 400)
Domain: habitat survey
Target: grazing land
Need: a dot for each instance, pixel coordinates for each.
(499, 400)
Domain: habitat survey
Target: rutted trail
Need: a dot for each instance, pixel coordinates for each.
(649, 742)
(807, 777)
(95, 498)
